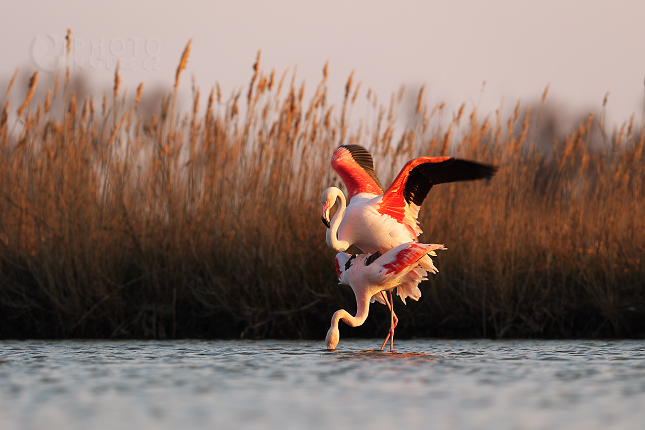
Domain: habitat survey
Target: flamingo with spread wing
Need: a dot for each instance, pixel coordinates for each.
(377, 221)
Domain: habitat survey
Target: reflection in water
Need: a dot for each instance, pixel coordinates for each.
(377, 354)
(280, 384)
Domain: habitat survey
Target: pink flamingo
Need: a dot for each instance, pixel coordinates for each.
(377, 221)
(371, 275)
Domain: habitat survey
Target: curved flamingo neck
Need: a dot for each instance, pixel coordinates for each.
(362, 310)
(332, 232)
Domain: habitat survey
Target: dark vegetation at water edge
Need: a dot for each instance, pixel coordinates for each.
(115, 222)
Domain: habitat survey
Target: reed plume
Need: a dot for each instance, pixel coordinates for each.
(30, 93)
(182, 63)
(139, 91)
(117, 81)
(11, 82)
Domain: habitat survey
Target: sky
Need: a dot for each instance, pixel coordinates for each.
(581, 49)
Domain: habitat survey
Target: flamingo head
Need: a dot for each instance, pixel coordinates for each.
(328, 199)
(333, 337)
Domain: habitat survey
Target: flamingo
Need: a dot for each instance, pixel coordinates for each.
(371, 275)
(377, 221)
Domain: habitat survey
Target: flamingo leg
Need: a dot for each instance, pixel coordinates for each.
(394, 320)
(392, 324)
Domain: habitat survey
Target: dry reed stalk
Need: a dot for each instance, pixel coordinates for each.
(343, 115)
(256, 67)
(182, 64)
(193, 124)
(544, 94)
(262, 86)
(48, 100)
(11, 82)
(358, 88)
(56, 84)
(139, 91)
(5, 115)
(446, 141)
(460, 113)
(117, 81)
(91, 105)
(72, 104)
(30, 93)
(85, 112)
(420, 99)
(279, 89)
(602, 118)
(68, 40)
(525, 128)
(348, 85)
(209, 104)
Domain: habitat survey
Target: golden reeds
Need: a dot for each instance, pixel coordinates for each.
(172, 224)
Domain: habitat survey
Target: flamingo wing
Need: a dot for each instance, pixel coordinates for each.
(355, 166)
(411, 186)
(406, 264)
(400, 258)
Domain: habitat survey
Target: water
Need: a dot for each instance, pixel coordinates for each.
(296, 384)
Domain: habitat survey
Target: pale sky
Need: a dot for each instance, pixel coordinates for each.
(582, 49)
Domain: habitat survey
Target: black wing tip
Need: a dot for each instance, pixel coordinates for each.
(424, 176)
(458, 169)
(474, 170)
(487, 171)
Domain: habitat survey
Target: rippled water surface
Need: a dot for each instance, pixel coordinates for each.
(296, 384)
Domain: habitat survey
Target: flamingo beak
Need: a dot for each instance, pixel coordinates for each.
(325, 214)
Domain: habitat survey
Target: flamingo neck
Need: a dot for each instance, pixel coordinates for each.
(362, 310)
(332, 232)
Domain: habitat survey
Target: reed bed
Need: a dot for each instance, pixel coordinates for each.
(117, 222)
